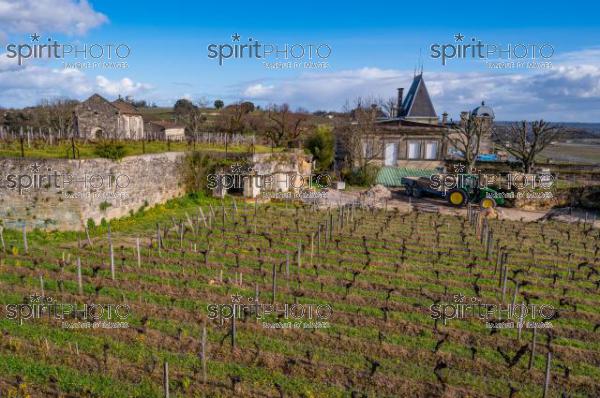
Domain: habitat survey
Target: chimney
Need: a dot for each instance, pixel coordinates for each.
(444, 118)
(399, 104)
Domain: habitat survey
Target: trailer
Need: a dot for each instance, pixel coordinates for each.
(468, 191)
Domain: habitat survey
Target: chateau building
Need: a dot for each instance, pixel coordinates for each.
(415, 136)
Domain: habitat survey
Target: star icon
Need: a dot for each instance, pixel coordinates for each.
(459, 298)
(236, 298)
(237, 168)
(34, 298)
(35, 168)
(459, 37)
(235, 37)
(35, 37)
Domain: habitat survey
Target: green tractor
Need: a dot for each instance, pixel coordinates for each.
(467, 191)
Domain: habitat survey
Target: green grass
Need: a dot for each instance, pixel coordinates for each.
(39, 150)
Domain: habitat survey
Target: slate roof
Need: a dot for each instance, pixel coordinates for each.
(417, 102)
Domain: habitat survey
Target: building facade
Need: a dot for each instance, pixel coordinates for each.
(415, 136)
(98, 118)
(165, 130)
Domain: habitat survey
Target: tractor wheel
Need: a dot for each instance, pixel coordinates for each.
(487, 203)
(457, 197)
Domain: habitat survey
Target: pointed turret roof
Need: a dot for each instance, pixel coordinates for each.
(417, 102)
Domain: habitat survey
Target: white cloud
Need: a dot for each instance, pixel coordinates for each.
(124, 86)
(37, 16)
(258, 90)
(570, 91)
(27, 85)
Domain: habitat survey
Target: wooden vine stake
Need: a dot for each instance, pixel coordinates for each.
(158, 238)
(79, 282)
(2, 239)
(112, 255)
(233, 327)
(87, 235)
(25, 245)
(547, 379)
(166, 379)
(274, 283)
(203, 354)
(139, 255)
(532, 353)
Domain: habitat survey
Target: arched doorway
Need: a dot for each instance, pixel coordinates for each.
(96, 133)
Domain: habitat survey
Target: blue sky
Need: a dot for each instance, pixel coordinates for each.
(375, 49)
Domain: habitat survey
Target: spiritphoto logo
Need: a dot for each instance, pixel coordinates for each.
(73, 55)
(298, 315)
(449, 181)
(462, 307)
(272, 55)
(86, 315)
(241, 176)
(496, 56)
(45, 178)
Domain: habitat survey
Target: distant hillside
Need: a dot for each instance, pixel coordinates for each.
(577, 131)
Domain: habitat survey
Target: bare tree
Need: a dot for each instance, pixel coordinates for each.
(526, 140)
(466, 137)
(232, 119)
(285, 126)
(389, 107)
(57, 114)
(359, 134)
(190, 114)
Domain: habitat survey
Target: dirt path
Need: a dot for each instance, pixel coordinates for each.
(401, 201)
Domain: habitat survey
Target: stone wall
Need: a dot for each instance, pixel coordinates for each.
(60, 194)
